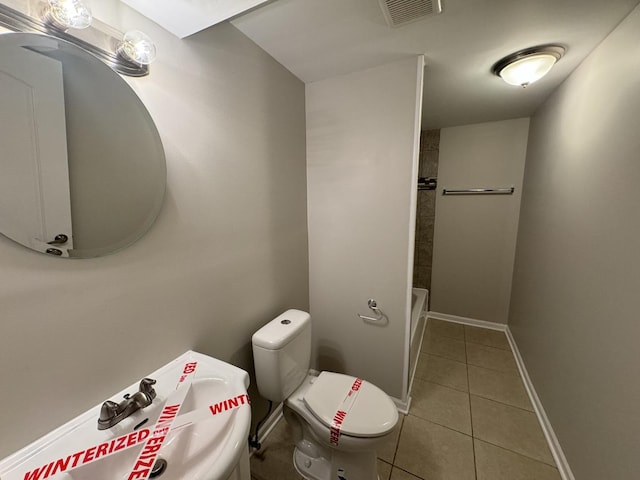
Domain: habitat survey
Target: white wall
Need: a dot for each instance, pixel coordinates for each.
(575, 303)
(475, 236)
(227, 254)
(362, 152)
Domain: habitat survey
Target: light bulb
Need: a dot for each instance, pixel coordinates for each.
(65, 14)
(137, 47)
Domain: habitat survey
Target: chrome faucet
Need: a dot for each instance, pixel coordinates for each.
(112, 413)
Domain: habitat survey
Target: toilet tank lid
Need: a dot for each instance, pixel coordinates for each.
(281, 330)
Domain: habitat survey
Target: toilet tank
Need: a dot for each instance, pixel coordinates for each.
(282, 354)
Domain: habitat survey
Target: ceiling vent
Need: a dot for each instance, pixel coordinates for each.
(401, 12)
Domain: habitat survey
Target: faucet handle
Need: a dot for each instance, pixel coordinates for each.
(146, 387)
(108, 411)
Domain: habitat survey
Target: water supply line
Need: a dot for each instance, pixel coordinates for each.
(254, 441)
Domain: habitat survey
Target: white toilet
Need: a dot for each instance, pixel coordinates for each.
(339, 420)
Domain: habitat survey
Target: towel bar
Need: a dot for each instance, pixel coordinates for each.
(479, 191)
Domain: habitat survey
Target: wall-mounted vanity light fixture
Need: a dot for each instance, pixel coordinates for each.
(129, 54)
(527, 66)
(137, 47)
(66, 14)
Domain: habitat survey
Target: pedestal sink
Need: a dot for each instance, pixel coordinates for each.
(207, 440)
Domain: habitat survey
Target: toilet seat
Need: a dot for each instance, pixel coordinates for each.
(370, 414)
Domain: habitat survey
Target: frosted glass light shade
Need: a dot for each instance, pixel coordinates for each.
(528, 70)
(66, 14)
(528, 66)
(137, 47)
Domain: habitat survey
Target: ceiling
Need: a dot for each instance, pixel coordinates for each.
(184, 18)
(318, 39)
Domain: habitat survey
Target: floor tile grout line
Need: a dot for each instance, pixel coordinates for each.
(516, 372)
(502, 403)
(489, 346)
(395, 451)
(407, 471)
(442, 356)
(441, 425)
(443, 385)
(515, 375)
(443, 322)
(466, 358)
(425, 352)
(384, 461)
(431, 334)
(440, 335)
(473, 443)
(517, 453)
(492, 346)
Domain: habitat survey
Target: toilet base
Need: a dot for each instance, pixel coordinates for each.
(341, 466)
(311, 468)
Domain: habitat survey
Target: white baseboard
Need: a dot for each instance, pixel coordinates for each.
(547, 429)
(402, 406)
(545, 424)
(420, 329)
(467, 321)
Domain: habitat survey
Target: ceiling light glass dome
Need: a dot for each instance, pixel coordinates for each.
(528, 66)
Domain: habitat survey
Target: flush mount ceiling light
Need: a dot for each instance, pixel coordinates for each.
(529, 65)
(66, 14)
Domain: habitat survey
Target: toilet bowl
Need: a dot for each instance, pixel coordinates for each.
(339, 420)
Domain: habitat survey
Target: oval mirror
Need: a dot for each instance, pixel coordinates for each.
(82, 168)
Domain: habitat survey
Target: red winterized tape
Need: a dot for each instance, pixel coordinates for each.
(168, 421)
(147, 457)
(124, 442)
(342, 411)
(85, 456)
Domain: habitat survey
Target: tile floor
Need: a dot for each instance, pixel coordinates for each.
(470, 418)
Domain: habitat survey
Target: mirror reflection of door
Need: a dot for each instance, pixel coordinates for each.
(35, 203)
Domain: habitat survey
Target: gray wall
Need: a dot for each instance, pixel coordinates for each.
(475, 235)
(227, 254)
(362, 173)
(575, 303)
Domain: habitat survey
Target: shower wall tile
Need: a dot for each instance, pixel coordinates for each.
(425, 229)
(431, 140)
(427, 203)
(426, 210)
(424, 252)
(431, 163)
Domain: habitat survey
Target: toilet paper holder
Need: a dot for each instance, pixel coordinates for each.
(379, 318)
